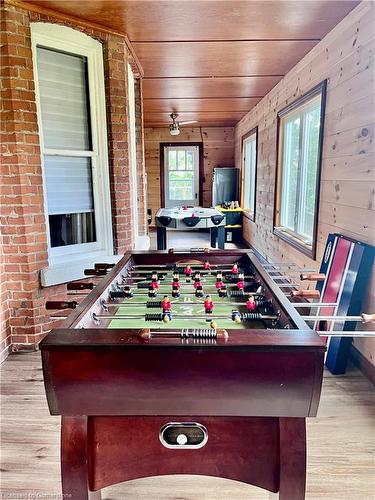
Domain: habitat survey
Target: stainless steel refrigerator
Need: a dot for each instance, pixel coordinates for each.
(225, 185)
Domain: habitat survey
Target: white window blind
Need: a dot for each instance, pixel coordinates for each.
(69, 184)
(63, 93)
(64, 100)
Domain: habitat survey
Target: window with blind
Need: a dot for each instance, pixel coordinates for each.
(298, 174)
(69, 79)
(65, 116)
(249, 169)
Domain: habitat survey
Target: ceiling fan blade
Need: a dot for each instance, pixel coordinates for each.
(187, 123)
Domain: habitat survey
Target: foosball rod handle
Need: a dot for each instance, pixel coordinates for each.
(312, 277)
(146, 333)
(103, 265)
(192, 250)
(80, 285)
(363, 318)
(61, 304)
(368, 318)
(305, 294)
(95, 272)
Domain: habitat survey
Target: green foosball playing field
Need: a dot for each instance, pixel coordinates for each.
(187, 311)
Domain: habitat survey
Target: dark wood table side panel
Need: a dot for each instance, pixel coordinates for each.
(243, 449)
(317, 386)
(172, 382)
(164, 257)
(122, 338)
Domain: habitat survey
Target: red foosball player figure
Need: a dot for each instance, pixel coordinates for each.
(197, 284)
(175, 283)
(197, 275)
(251, 304)
(167, 309)
(151, 291)
(175, 292)
(219, 284)
(219, 280)
(154, 285)
(206, 265)
(223, 291)
(241, 282)
(188, 270)
(166, 304)
(208, 304)
(235, 269)
(199, 291)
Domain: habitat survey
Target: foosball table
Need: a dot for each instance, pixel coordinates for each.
(183, 363)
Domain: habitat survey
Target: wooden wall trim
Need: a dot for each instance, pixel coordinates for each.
(361, 362)
(80, 22)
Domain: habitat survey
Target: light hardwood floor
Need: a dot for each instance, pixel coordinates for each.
(341, 443)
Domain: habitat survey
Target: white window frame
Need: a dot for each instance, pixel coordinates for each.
(67, 262)
(249, 173)
(187, 148)
(298, 109)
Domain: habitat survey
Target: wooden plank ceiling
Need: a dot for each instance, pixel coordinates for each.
(209, 60)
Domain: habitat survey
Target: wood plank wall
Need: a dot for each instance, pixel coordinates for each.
(346, 58)
(218, 150)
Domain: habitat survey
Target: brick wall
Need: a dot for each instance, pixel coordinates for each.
(24, 320)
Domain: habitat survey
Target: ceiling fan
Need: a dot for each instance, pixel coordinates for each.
(174, 127)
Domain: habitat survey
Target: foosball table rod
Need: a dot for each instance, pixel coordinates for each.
(157, 304)
(194, 270)
(307, 274)
(306, 305)
(346, 333)
(314, 304)
(363, 318)
(208, 317)
(189, 294)
(303, 294)
(132, 281)
(171, 267)
(302, 277)
(282, 265)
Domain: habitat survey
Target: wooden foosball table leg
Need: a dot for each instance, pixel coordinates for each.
(74, 460)
(292, 458)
